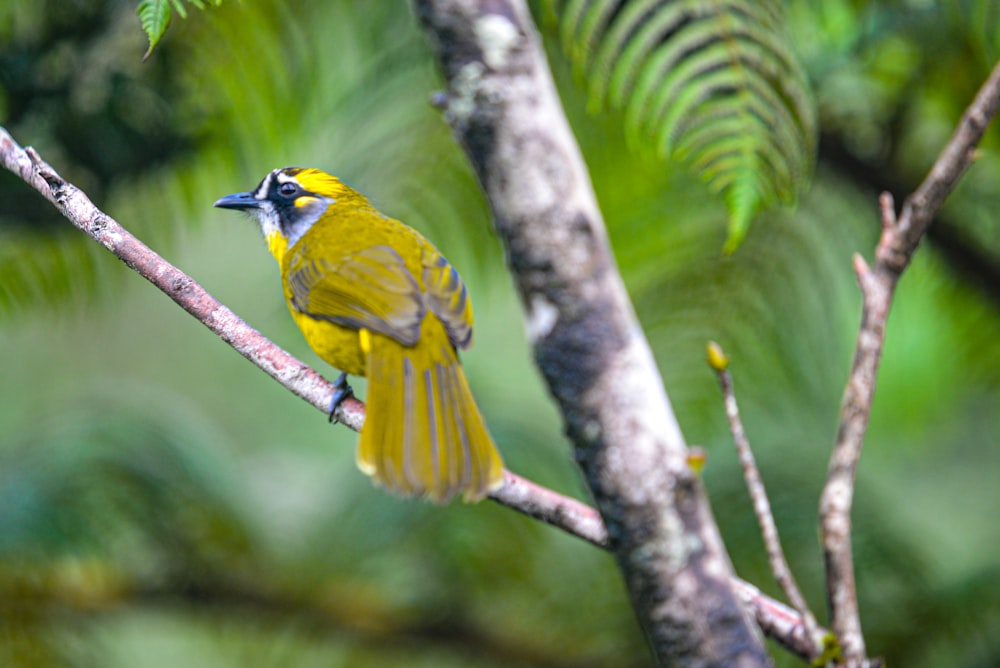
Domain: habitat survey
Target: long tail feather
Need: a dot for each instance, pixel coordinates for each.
(423, 433)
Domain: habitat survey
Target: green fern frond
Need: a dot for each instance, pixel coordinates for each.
(711, 83)
(154, 17)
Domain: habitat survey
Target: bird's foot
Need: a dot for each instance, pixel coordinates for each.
(341, 390)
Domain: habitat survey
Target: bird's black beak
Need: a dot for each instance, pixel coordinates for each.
(238, 201)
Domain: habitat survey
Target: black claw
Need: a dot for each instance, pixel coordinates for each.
(341, 390)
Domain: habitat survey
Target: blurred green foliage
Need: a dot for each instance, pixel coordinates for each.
(163, 503)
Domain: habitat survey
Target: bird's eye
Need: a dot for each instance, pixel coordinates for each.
(288, 189)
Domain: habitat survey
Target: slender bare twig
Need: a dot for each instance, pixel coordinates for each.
(517, 493)
(719, 362)
(900, 238)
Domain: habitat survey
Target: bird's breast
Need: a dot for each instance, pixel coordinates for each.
(277, 244)
(338, 346)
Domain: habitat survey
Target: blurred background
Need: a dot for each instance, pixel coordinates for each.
(164, 503)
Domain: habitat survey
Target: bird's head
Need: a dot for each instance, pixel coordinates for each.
(289, 201)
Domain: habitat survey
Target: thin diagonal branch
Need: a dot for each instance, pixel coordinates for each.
(518, 493)
(719, 362)
(899, 240)
(568, 514)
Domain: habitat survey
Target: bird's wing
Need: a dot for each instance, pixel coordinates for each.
(367, 289)
(447, 298)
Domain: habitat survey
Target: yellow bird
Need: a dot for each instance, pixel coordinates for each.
(375, 298)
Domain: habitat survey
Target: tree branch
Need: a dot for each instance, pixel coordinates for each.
(504, 110)
(899, 240)
(517, 493)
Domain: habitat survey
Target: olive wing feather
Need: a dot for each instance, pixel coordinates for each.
(367, 289)
(447, 298)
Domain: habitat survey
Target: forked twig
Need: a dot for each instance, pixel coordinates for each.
(900, 238)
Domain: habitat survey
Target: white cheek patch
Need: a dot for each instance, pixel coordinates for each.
(266, 217)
